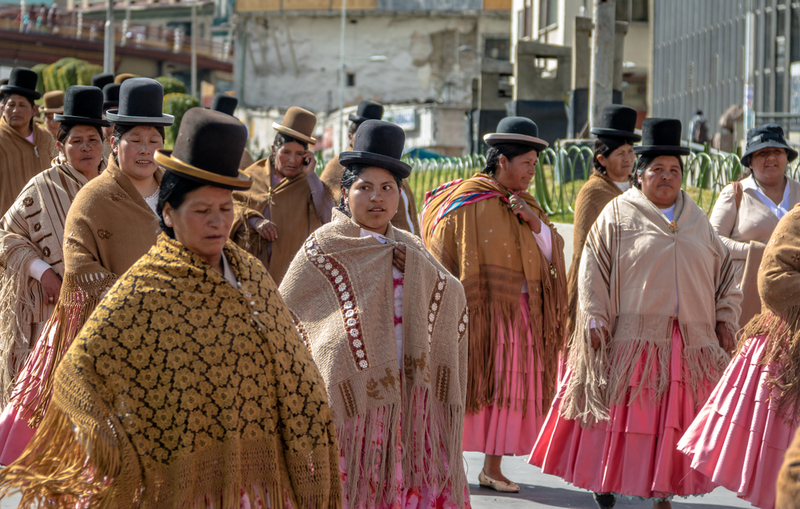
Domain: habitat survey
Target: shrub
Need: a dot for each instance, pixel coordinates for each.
(38, 68)
(68, 74)
(171, 85)
(177, 105)
(86, 71)
(52, 81)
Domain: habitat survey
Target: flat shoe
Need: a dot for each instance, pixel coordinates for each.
(497, 485)
(605, 500)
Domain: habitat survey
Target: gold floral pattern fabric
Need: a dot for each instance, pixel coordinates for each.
(206, 388)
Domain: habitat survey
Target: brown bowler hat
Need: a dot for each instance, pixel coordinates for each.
(298, 123)
(122, 77)
(53, 102)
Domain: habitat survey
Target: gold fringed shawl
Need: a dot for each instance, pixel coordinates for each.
(32, 229)
(486, 247)
(340, 288)
(779, 288)
(291, 208)
(592, 199)
(108, 227)
(180, 392)
(632, 262)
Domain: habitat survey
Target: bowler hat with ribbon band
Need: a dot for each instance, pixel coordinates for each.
(140, 103)
(102, 79)
(110, 96)
(617, 121)
(298, 123)
(197, 155)
(83, 105)
(22, 81)
(661, 137)
(367, 110)
(53, 102)
(766, 136)
(517, 130)
(378, 143)
(225, 103)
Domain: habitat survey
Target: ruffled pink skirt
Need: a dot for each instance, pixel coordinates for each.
(738, 439)
(636, 453)
(507, 431)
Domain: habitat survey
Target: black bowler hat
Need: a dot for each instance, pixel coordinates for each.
(110, 96)
(102, 79)
(661, 137)
(380, 144)
(140, 103)
(82, 106)
(617, 121)
(765, 136)
(518, 130)
(367, 110)
(22, 81)
(197, 155)
(224, 102)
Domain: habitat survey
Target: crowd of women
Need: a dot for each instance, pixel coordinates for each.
(189, 328)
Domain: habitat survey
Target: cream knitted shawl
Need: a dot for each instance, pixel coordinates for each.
(339, 288)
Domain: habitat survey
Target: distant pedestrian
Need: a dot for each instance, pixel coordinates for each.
(698, 128)
(657, 311)
(53, 102)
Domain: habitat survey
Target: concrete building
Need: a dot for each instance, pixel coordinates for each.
(553, 22)
(419, 54)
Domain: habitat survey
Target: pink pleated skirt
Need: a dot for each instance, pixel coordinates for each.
(635, 454)
(509, 431)
(739, 439)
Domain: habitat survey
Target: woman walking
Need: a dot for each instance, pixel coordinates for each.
(110, 224)
(287, 201)
(612, 175)
(387, 326)
(188, 386)
(644, 357)
(747, 211)
(490, 233)
(32, 231)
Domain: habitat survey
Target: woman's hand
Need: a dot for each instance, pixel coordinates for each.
(524, 212)
(597, 338)
(51, 286)
(399, 257)
(267, 230)
(309, 163)
(724, 337)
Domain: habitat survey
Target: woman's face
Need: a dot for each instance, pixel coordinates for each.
(769, 165)
(516, 174)
(373, 199)
(661, 181)
(289, 159)
(619, 163)
(136, 151)
(83, 148)
(202, 221)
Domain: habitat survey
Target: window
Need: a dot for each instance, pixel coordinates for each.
(351, 79)
(548, 13)
(496, 48)
(632, 10)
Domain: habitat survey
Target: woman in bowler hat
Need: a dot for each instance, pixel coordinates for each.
(657, 310)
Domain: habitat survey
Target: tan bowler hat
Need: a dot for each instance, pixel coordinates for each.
(122, 77)
(298, 123)
(53, 102)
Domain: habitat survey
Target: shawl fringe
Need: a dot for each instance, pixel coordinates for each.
(783, 350)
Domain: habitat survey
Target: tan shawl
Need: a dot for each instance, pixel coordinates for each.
(788, 488)
(340, 289)
(486, 247)
(779, 288)
(592, 199)
(109, 226)
(633, 259)
(32, 229)
(181, 392)
(332, 177)
(21, 160)
(291, 208)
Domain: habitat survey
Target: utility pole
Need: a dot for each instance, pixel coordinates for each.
(194, 48)
(341, 77)
(749, 65)
(602, 80)
(108, 49)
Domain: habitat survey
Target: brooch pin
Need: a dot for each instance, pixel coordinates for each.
(673, 227)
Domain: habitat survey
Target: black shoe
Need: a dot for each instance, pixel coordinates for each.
(605, 500)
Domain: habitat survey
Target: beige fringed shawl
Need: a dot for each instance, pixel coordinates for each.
(32, 229)
(109, 226)
(180, 392)
(487, 248)
(632, 261)
(340, 289)
(21, 160)
(779, 288)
